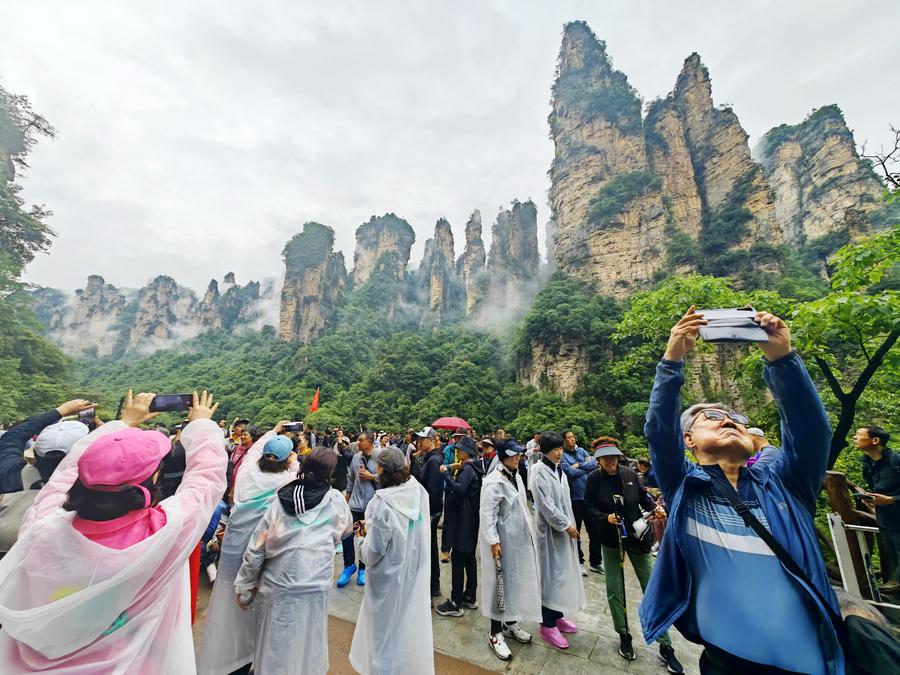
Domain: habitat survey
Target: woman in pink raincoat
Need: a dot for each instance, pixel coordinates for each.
(98, 580)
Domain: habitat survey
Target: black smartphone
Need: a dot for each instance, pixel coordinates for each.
(731, 325)
(293, 426)
(862, 495)
(171, 402)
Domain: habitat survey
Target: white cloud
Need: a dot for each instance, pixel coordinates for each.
(196, 137)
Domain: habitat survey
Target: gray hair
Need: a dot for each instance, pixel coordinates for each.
(688, 416)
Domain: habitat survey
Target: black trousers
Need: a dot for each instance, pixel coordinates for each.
(497, 626)
(347, 543)
(595, 555)
(463, 569)
(435, 560)
(550, 617)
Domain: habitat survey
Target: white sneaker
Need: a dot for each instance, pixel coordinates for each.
(583, 570)
(211, 572)
(513, 631)
(501, 651)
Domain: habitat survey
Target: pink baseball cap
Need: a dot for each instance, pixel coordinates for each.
(121, 459)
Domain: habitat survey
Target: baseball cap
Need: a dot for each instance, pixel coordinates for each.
(391, 459)
(487, 440)
(279, 447)
(123, 458)
(427, 432)
(467, 445)
(510, 448)
(59, 437)
(607, 450)
(461, 431)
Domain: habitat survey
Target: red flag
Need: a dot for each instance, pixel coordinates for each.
(315, 402)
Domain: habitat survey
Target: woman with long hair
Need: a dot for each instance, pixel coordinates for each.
(229, 636)
(288, 569)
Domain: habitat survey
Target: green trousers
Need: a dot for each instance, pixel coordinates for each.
(615, 586)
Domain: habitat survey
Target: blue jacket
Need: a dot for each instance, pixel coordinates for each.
(786, 487)
(577, 476)
(12, 447)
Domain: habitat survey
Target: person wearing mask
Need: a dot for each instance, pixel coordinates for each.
(462, 501)
(507, 539)
(615, 503)
(881, 470)
(229, 635)
(714, 570)
(362, 482)
(288, 568)
(98, 579)
(432, 480)
(577, 465)
(562, 591)
(393, 632)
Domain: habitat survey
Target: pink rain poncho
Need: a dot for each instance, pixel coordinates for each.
(71, 605)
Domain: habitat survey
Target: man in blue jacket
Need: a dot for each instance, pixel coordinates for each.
(715, 579)
(578, 465)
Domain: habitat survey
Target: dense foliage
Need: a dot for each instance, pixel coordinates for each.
(32, 369)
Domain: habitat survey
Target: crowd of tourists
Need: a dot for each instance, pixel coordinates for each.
(105, 528)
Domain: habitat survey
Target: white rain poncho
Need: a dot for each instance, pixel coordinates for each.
(229, 634)
(505, 520)
(290, 560)
(71, 605)
(393, 631)
(561, 586)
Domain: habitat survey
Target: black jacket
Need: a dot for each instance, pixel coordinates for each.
(883, 478)
(599, 503)
(12, 447)
(431, 480)
(462, 508)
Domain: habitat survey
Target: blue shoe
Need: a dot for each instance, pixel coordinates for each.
(361, 578)
(344, 579)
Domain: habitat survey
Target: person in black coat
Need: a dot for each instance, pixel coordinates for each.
(461, 529)
(429, 456)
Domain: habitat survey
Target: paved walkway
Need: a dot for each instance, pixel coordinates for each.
(461, 644)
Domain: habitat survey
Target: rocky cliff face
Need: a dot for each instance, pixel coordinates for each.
(438, 274)
(635, 197)
(471, 264)
(513, 271)
(607, 205)
(234, 306)
(560, 370)
(819, 181)
(382, 244)
(314, 280)
(160, 315)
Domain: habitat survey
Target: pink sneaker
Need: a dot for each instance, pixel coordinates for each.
(566, 626)
(554, 637)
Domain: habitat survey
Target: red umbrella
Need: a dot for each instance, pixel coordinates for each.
(451, 423)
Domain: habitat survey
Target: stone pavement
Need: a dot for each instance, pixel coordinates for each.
(593, 649)
(461, 644)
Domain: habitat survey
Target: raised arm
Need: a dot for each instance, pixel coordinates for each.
(663, 426)
(12, 447)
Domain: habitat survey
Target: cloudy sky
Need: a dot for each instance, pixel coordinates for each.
(194, 138)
